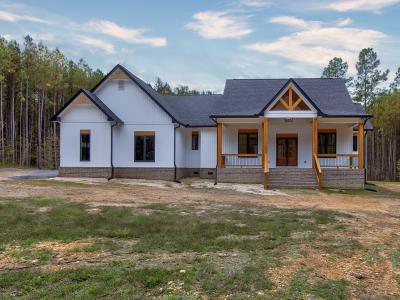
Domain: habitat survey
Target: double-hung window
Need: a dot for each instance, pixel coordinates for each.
(144, 146)
(85, 145)
(327, 142)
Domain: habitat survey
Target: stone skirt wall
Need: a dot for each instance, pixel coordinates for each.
(342, 178)
(240, 175)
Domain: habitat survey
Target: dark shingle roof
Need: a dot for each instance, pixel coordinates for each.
(96, 101)
(249, 98)
(193, 110)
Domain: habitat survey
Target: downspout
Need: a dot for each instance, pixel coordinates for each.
(365, 151)
(216, 166)
(175, 171)
(111, 153)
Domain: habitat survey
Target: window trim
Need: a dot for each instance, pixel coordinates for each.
(195, 134)
(81, 133)
(326, 131)
(144, 134)
(248, 132)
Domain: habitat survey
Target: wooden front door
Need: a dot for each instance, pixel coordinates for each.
(286, 151)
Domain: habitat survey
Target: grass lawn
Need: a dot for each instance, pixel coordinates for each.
(106, 240)
(227, 251)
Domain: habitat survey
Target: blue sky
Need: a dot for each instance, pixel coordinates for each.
(202, 43)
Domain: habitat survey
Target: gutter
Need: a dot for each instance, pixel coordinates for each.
(175, 171)
(111, 152)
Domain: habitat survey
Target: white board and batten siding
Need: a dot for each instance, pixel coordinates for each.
(301, 127)
(208, 147)
(139, 113)
(79, 117)
(186, 157)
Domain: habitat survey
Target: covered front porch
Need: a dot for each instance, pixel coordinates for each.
(248, 149)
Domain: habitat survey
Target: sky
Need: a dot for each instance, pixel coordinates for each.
(203, 43)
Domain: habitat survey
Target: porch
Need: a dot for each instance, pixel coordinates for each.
(254, 147)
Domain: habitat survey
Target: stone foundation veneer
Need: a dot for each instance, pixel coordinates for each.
(342, 178)
(136, 173)
(93, 172)
(240, 175)
(332, 178)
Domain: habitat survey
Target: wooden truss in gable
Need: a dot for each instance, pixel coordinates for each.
(290, 101)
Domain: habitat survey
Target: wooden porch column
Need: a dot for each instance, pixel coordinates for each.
(265, 164)
(314, 140)
(360, 145)
(219, 145)
(265, 144)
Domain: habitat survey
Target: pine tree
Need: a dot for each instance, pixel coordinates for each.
(337, 68)
(368, 76)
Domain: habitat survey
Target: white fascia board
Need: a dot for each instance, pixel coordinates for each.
(350, 120)
(291, 114)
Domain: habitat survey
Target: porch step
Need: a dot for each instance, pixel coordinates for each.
(292, 178)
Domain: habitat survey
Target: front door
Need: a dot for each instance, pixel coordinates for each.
(286, 151)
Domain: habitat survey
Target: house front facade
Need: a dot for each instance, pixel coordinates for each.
(302, 132)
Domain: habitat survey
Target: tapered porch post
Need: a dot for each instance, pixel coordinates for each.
(360, 145)
(219, 145)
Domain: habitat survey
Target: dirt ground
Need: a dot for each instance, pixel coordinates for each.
(376, 218)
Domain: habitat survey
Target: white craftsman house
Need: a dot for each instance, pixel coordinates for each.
(302, 132)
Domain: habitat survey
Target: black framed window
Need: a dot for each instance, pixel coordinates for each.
(145, 146)
(248, 142)
(327, 142)
(355, 143)
(85, 145)
(195, 140)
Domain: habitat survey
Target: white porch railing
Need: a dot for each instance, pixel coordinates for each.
(242, 160)
(338, 160)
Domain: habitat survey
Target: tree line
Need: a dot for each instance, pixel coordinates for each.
(382, 102)
(34, 83)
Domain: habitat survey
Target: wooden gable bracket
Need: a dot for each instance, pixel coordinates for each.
(290, 105)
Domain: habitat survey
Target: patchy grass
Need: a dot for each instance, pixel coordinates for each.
(169, 231)
(369, 190)
(304, 284)
(233, 246)
(51, 182)
(41, 255)
(103, 245)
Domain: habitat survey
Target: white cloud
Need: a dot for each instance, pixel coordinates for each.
(96, 43)
(129, 35)
(12, 17)
(255, 3)
(293, 22)
(219, 25)
(360, 5)
(344, 22)
(317, 45)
